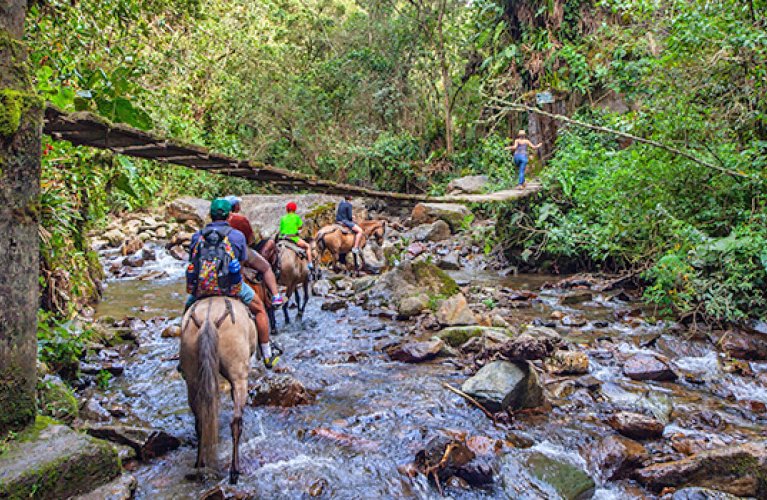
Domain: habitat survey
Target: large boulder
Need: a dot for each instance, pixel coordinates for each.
(411, 279)
(452, 213)
(455, 312)
(281, 390)
(190, 209)
(436, 231)
(49, 461)
(740, 470)
(503, 385)
(471, 184)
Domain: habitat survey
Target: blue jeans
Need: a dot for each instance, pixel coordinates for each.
(521, 162)
(247, 294)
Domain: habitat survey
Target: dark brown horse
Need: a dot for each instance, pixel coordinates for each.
(217, 337)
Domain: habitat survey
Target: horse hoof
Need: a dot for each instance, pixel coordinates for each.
(234, 476)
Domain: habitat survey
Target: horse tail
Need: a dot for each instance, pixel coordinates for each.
(205, 403)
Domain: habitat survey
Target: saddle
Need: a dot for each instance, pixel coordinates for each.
(292, 246)
(342, 228)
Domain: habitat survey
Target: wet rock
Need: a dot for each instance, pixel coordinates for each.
(116, 368)
(648, 367)
(226, 492)
(738, 470)
(471, 184)
(636, 425)
(742, 345)
(498, 321)
(121, 488)
(133, 261)
(334, 304)
(416, 352)
(576, 298)
(503, 385)
(92, 410)
(415, 249)
(453, 214)
(701, 494)
(373, 262)
(148, 254)
(455, 312)
(171, 331)
(347, 440)
(410, 279)
(616, 457)
(359, 285)
(178, 252)
(446, 457)
(691, 444)
(434, 232)
(54, 461)
(131, 246)
(568, 363)
(568, 480)
(148, 443)
(281, 390)
(450, 262)
(588, 382)
(574, 320)
(321, 287)
(519, 348)
(545, 333)
(458, 335)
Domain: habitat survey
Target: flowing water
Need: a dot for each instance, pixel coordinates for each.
(389, 410)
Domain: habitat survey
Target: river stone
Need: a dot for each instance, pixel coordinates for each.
(280, 390)
(115, 237)
(171, 331)
(568, 363)
(410, 279)
(568, 480)
(121, 488)
(616, 457)
(148, 443)
(178, 253)
(458, 335)
(450, 262)
(455, 312)
(452, 213)
(131, 246)
(636, 425)
(742, 345)
(51, 461)
(436, 231)
(471, 184)
(133, 261)
(189, 209)
(413, 306)
(370, 257)
(648, 367)
(739, 470)
(576, 298)
(503, 385)
(416, 352)
(701, 494)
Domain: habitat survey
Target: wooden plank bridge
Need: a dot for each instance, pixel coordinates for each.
(87, 129)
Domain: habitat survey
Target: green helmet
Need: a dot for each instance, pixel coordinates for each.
(220, 208)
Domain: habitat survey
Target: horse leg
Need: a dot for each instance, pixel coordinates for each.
(306, 299)
(239, 396)
(288, 295)
(300, 313)
(272, 321)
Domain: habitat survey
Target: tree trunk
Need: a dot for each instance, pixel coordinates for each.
(445, 78)
(20, 131)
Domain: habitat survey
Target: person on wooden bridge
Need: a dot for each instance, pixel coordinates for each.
(521, 158)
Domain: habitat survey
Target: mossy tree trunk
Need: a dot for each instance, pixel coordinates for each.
(20, 131)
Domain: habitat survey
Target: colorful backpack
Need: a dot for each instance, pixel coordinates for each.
(213, 268)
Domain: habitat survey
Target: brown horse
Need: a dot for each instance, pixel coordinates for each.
(333, 239)
(294, 273)
(217, 337)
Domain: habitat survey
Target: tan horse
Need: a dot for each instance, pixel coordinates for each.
(334, 240)
(217, 337)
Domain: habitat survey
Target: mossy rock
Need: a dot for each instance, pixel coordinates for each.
(55, 399)
(440, 283)
(458, 335)
(568, 480)
(50, 461)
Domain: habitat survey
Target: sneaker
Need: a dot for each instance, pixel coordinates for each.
(270, 362)
(355, 250)
(277, 301)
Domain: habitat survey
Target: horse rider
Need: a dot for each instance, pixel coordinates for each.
(345, 218)
(219, 212)
(290, 228)
(240, 222)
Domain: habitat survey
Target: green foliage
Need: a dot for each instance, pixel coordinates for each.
(11, 106)
(56, 400)
(60, 345)
(103, 377)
